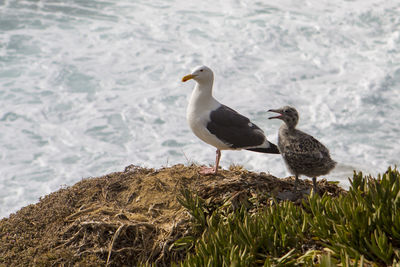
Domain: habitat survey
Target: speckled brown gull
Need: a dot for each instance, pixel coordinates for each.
(219, 125)
(303, 154)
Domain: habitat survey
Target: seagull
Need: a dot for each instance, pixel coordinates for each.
(219, 125)
(302, 153)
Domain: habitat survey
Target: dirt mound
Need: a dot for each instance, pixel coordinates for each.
(127, 217)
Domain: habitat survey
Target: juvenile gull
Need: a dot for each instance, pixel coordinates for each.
(303, 154)
(219, 125)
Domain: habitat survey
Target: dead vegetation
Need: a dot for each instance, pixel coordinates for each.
(129, 217)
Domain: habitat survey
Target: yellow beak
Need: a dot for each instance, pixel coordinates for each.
(188, 77)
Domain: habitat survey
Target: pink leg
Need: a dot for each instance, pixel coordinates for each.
(208, 170)
(217, 158)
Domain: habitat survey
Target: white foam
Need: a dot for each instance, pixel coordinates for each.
(88, 88)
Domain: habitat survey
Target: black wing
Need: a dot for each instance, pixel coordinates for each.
(234, 129)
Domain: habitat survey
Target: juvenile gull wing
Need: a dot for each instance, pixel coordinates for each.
(305, 154)
(234, 129)
(301, 142)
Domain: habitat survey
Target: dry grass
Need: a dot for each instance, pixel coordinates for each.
(129, 217)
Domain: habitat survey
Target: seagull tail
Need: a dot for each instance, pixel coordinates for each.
(272, 149)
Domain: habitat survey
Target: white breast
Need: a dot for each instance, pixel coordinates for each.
(198, 115)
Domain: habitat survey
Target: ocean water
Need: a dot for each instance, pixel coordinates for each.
(89, 87)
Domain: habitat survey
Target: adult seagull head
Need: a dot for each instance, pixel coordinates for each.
(202, 75)
(219, 125)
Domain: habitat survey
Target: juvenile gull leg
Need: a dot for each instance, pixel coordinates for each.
(296, 182)
(208, 170)
(314, 181)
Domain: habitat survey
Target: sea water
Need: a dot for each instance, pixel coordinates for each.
(89, 87)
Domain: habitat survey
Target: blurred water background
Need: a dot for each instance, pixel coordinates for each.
(89, 87)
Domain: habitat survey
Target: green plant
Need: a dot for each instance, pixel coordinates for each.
(359, 228)
(364, 222)
(272, 237)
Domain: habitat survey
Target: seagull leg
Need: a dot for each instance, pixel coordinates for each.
(218, 157)
(314, 182)
(296, 181)
(207, 170)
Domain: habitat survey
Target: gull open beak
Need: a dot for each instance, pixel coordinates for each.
(188, 77)
(276, 111)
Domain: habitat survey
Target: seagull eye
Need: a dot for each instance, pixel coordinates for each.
(201, 70)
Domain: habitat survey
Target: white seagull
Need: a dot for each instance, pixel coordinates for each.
(219, 125)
